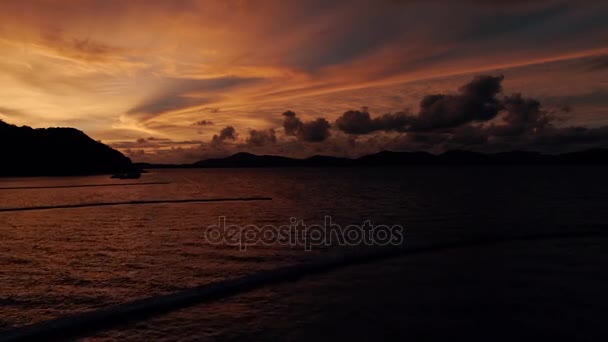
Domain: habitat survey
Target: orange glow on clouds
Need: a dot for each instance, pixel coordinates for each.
(125, 70)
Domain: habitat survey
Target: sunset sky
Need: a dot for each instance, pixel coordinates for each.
(179, 81)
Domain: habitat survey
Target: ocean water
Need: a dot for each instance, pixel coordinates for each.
(66, 261)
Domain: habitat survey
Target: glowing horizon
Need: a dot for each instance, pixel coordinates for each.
(127, 71)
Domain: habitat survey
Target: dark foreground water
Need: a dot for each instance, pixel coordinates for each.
(65, 261)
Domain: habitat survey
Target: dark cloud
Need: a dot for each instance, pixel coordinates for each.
(478, 118)
(261, 137)
(291, 123)
(158, 139)
(355, 122)
(360, 122)
(311, 131)
(315, 131)
(523, 115)
(474, 118)
(203, 123)
(476, 102)
(227, 133)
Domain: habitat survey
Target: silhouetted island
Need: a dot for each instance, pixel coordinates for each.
(55, 152)
(598, 156)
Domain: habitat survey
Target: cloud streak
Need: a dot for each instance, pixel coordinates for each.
(125, 69)
(477, 117)
(178, 94)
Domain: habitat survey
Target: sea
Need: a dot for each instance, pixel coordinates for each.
(516, 248)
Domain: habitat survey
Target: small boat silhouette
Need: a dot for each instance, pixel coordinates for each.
(127, 175)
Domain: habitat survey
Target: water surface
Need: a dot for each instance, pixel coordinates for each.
(65, 261)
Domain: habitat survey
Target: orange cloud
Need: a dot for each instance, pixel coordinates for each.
(123, 70)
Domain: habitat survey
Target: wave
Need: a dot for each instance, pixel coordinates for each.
(85, 323)
(81, 186)
(106, 204)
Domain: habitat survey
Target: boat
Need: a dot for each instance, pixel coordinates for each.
(127, 175)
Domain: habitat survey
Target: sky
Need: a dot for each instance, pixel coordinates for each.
(180, 81)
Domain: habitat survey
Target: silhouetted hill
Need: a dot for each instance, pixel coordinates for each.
(387, 158)
(247, 160)
(319, 160)
(25, 151)
(592, 156)
(396, 158)
(458, 157)
(522, 157)
(251, 160)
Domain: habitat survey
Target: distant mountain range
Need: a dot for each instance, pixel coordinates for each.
(388, 158)
(25, 151)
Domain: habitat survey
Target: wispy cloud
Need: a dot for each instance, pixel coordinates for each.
(156, 67)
